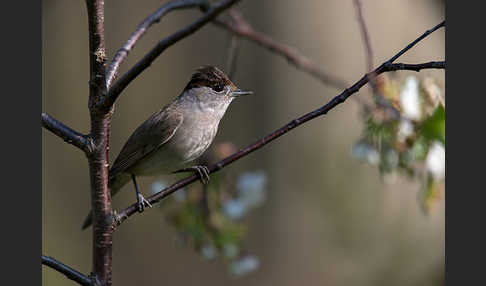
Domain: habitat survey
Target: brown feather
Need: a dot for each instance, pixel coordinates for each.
(147, 138)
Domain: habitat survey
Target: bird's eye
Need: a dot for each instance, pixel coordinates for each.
(218, 87)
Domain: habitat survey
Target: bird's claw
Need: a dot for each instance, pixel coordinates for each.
(203, 172)
(142, 202)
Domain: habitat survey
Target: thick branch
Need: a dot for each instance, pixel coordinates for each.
(122, 53)
(97, 51)
(385, 67)
(67, 134)
(66, 270)
(240, 27)
(146, 61)
(98, 159)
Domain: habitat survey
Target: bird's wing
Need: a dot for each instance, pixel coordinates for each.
(147, 138)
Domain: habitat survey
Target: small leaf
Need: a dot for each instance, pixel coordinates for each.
(433, 128)
(419, 149)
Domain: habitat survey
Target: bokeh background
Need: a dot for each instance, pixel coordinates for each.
(328, 218)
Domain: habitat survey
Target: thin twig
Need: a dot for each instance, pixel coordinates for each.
(66, 270)
(239, 26)
(385, 67)
(146, 61)
(364, 35)
(409, 46)
(155, 17)
(380, 100)
(367, 45)
(69, 135)
(231, 60)
(415, 67)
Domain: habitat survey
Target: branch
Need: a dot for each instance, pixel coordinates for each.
(122, 53)
(380, 100)
(364, 35)
(231, 58)
(240, 27)
(97, 52)
(67, 134)
(409, 46)
(385, 67)
(146, 61)
(98, 159)
(415, 67)
(66, 270)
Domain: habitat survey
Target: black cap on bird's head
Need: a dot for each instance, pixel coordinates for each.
(214, 78)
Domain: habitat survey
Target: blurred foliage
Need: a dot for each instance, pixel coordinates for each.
(210, 217)
(410, 141)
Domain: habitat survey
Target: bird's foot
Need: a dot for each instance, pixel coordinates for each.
(201, 170)
(142, 202)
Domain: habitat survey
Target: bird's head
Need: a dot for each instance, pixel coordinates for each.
(210, 85)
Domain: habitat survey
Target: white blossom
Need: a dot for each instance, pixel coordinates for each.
(365, 152)
(245, 265)
(410, 100)
(435, 160)
(405, 129)
(235, 209)
(251, 188)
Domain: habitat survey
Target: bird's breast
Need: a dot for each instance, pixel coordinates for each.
(194, 137)
(187, 144)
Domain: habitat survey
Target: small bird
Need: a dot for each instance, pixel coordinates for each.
(173, 137)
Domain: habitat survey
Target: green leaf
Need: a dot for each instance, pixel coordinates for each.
(433, 128)
(379, 132)
(419, 149)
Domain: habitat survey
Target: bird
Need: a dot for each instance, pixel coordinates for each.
(171, 139)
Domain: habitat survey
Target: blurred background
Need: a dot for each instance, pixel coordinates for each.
(328, 219)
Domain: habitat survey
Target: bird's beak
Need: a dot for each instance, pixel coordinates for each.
(239, 92)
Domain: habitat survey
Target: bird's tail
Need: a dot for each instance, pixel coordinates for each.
(115, 184)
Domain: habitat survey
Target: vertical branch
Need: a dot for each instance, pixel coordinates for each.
(364, 35)
(380, 100)
(367, 45)
(98, 159)
(232, 56)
